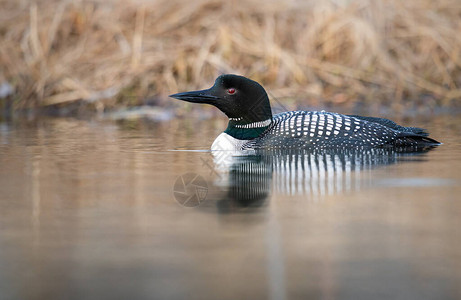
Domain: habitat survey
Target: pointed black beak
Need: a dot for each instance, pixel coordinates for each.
(203, 96)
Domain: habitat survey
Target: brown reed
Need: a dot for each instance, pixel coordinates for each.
(56, 52)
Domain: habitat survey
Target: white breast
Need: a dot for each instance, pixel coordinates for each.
(227, 142)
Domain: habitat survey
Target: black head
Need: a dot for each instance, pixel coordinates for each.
(236, 96)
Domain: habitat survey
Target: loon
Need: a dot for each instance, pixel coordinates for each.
(252, 125)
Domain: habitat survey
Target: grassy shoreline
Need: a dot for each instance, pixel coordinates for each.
(112, 54)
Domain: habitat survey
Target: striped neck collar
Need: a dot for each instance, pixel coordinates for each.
(241, 130)
(254, 124)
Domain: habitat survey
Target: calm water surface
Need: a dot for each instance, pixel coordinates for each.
(103, 210)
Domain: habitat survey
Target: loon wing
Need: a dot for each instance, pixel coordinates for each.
(391, 124)
(324, 130)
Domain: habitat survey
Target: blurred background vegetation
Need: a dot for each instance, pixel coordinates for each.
(102, 55)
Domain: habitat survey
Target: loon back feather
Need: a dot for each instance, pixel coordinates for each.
(391, 124)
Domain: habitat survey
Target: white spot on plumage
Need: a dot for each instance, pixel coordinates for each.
(299, 122)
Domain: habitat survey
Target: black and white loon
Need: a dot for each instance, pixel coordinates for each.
(252, 125)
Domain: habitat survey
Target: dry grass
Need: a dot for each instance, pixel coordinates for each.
(56, 52)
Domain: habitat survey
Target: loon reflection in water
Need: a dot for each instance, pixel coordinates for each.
(248, 177)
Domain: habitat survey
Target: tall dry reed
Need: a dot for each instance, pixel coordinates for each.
(56, 52)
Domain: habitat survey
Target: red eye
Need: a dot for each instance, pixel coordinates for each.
(231, 90)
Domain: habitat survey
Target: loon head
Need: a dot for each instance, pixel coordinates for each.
(238, 97)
